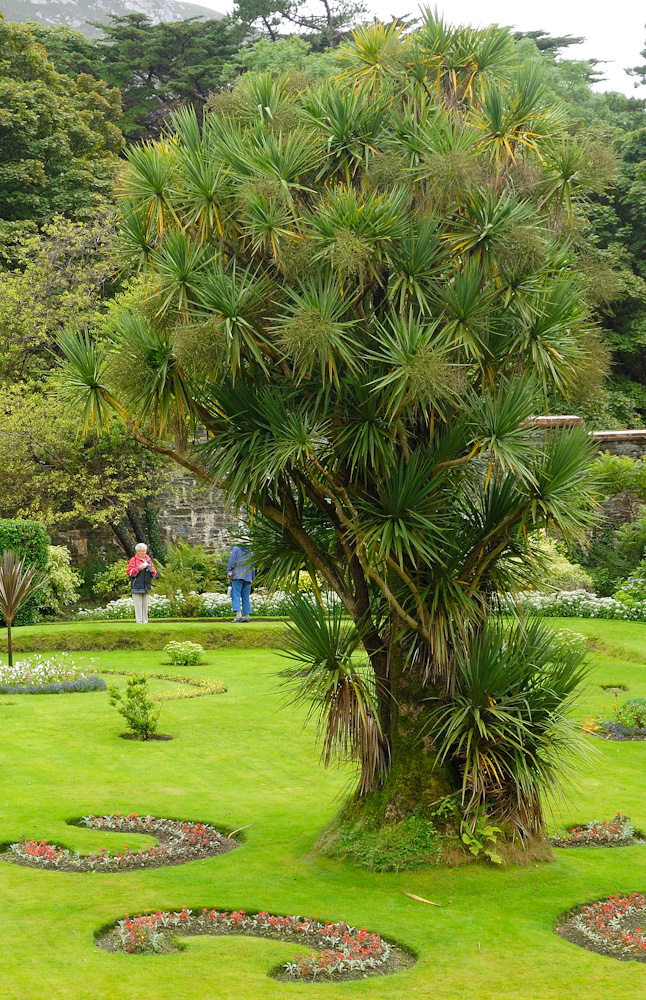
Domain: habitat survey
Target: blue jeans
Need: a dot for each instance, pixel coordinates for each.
(240, 589)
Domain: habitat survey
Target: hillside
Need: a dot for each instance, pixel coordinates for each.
(76, 13)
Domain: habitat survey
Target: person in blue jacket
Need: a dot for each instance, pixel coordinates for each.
(240, 573)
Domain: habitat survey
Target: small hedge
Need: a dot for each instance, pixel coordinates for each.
(94, 636)
(29, 541)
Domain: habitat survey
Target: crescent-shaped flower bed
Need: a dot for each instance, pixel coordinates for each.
(179, 841)
(616, 832)
(612, 927)
(335, 950)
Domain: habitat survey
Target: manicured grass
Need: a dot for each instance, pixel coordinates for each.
(239, 758)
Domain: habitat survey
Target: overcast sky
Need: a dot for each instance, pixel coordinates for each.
(614, 31)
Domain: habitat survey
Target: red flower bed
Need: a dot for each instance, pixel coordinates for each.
(339, 950)
(613, 926)
(179, 841)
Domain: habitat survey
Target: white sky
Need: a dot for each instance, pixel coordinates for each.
(614, 31)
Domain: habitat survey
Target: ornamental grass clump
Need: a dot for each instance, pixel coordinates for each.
(137, 706)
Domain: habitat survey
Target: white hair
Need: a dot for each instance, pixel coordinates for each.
(141, 546)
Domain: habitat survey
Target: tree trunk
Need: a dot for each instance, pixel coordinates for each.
(125, 541)
(9, 645)
(415, 783)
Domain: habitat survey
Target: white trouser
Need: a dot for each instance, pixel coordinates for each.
(141, 607)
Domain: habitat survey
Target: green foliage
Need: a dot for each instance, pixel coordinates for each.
(137, 706)
(410, 844)
(61, 582)
(54, 280)
(158, 65)
(481, 837)
(194, 567)
(631, 713)
(29, 541)
(59, 140)
(184, 653)
(506, 728)
(292, 55)
(633, 589)
(111, 583)
(557, 570)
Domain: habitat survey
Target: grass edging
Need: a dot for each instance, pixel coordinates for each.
(105, 636)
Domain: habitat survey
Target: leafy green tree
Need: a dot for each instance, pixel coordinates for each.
(58, 278)
(55, 474)
(59, 139)
(160, 66)
(325, 21)
(355, 299)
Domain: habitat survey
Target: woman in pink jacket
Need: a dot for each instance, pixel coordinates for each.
(141, 571)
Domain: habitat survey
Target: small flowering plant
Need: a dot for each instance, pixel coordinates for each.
(337, 948)
(184, 654)
(614, 924)
(179, 841)
(617, 831)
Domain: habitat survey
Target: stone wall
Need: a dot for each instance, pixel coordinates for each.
(195, 514)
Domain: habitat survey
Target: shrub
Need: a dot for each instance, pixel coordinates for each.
(61, 582)
(559, 572)
(184, 653)
(111, 583)
(191, 567)
(137, 707)
(633, 590)
(29, 541)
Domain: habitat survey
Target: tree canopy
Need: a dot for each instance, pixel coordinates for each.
(59, 139)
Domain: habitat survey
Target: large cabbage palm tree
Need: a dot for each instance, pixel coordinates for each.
(353, 300)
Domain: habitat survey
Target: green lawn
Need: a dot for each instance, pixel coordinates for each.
(239, 758)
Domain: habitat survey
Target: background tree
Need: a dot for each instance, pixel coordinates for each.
(157, 67)
(58, 141)
(325, 21)
(362, 294)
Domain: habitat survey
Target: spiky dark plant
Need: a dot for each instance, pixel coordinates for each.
(17, 583)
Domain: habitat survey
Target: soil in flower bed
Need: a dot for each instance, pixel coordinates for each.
(615, 927)
(333, 951)
(179, 841)
(140, 739)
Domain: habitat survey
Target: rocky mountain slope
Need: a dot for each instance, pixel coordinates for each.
(76, 13)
